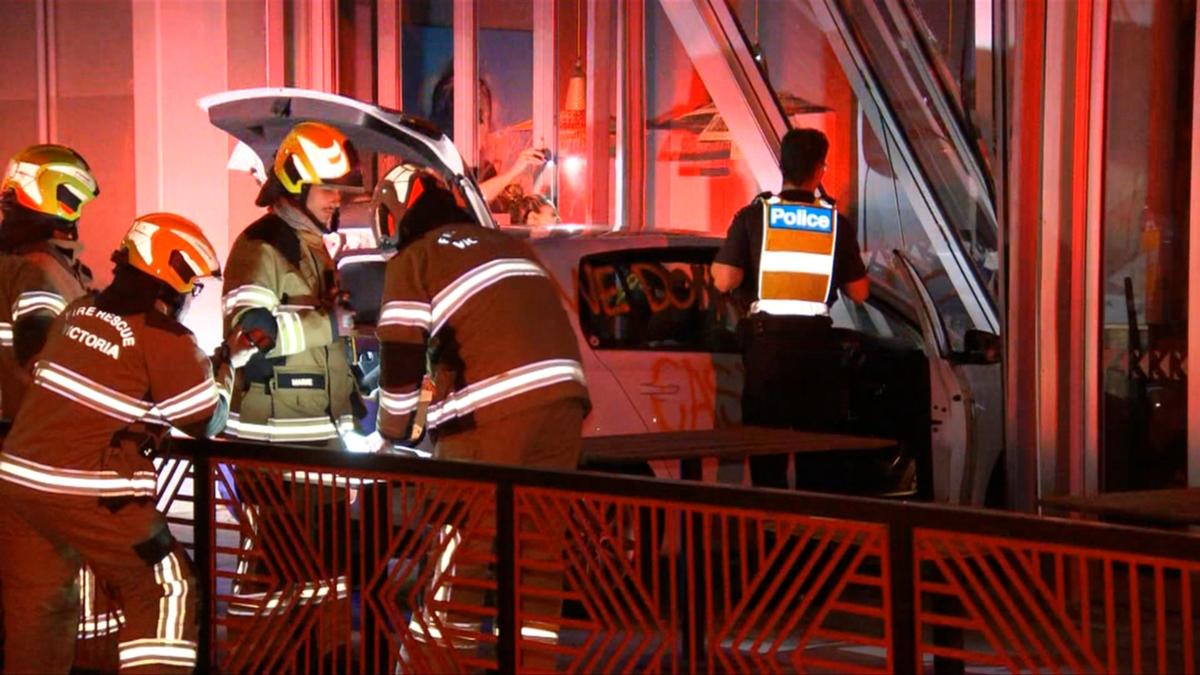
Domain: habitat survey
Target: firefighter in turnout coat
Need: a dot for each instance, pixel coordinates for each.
(42, 196)
(481, 310)
(44, 190)
(76, 484)
(280, 279)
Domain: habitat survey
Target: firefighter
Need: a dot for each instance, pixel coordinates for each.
(76, 483)
(42, 196)
(785, 257)
(508, 387)
(280, 279)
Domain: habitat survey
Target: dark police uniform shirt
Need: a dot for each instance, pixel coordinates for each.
(743, 248)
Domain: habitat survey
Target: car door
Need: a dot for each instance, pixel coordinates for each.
(260, 118)
(966, 397)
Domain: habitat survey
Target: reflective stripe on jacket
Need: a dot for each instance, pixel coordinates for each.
(488, 315)
(100, 373)
(38, 282)
(301, 390)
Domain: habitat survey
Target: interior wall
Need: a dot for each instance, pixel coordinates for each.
(19, 77)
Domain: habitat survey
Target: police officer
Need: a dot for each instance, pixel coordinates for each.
(508, 387)
(281, 280)
(76, 484)
(786, 256)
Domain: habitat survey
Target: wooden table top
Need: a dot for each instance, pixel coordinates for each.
(1177, 506)
(729, 442)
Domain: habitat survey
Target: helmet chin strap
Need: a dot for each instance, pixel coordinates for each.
(173, 307)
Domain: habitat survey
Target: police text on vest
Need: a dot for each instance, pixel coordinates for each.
(801, 217)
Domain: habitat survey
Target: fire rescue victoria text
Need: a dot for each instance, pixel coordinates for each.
(93, 341)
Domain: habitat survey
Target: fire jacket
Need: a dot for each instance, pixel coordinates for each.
(101, 373)
(486, 314)
(36, 283)
(283, 282)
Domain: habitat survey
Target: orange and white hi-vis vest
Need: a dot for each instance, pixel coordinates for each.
(795, 271)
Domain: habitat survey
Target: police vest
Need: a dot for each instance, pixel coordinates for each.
(795, 270)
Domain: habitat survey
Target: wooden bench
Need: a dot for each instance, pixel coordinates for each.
(1178, 507)
(694, 449)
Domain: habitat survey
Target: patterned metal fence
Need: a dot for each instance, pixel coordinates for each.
(318, 561)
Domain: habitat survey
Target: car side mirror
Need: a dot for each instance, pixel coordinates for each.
(979, 348)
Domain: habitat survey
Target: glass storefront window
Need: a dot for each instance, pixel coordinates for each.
(427, 62)
(505, 46)
(1146, 229)
(696, 178)
(909, 87)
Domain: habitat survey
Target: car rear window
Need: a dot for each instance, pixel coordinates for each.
(655, 299)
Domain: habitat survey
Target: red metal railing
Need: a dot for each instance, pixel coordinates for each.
(378, 564)
(1037, 607)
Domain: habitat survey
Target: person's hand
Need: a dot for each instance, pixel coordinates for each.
(241, 346)
(343, 318)
(530, 158)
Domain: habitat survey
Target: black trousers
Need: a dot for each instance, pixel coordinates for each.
(793, 380)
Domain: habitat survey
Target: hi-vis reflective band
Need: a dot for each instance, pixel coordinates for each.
(295, 430)
(100, 625)
(200, 398)
(172, 606)
(76, 482)
(433, 316)
(505, 385)
(38, 301)
(249, 296)
(459, 291)
(279, 602)
(290, 339)
(287, 317)
(89, 393)
(425, 623)
(168, 647)
(91, 624)
(406, 313)
(6, 334)
(399, 404)
(796, 267)
(154, 652)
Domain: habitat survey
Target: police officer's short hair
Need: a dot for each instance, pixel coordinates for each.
(803, 151)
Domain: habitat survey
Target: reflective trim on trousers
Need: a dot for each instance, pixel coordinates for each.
(310, 593)
(157, 652)
(91, 624)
